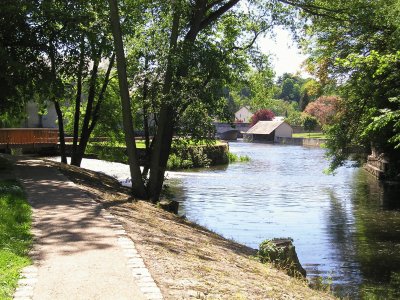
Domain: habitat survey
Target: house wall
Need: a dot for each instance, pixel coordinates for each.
(284, 130)
(243, 115)
(49, 120)
(34, 120)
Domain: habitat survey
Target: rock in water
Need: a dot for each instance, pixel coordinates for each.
(281, 252)
(169, 205)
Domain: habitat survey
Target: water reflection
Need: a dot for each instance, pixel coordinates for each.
(345, 227)
(377, 215)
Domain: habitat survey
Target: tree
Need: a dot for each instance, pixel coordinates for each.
(204, 53)
(355, 44)
(262, 115)
(309, 123)
(310, 91)
(137, 184)
(21, 67)
(289, 87)
(324, 109)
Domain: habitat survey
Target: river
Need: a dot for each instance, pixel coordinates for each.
(346, 227)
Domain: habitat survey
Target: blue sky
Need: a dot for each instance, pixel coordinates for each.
(286, 57)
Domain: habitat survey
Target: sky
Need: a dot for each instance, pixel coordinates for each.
(286, 58)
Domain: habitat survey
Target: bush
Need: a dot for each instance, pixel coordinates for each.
(262, 115)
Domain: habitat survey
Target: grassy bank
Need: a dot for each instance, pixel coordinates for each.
(311, 135)
(186, 260)
(15, 237)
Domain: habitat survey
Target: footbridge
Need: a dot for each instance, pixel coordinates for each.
(228, 131)
(28, 138)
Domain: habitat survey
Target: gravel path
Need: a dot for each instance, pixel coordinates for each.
(80, 251)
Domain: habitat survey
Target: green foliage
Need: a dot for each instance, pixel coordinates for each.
(309, 123)
(269, 252)
(15, 237)
(355, 46)
(320, 283)
(185, 156)
(175, 162)
(237, 158)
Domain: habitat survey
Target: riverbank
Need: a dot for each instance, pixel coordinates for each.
(186, 260)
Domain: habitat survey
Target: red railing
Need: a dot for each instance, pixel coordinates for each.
(13, 137)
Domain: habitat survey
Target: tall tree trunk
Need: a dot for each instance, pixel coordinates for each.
(60, 118)
(78, 98)
(146, 166)
(76, 159)
(100, 99)
(138, 188)
(163, 139)
(168, 114)
(61, 133)
(86, 128)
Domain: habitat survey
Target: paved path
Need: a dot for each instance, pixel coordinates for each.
(80, 251)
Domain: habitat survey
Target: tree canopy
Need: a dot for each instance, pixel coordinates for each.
(355, 44)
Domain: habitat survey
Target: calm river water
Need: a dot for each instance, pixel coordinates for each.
(346, 228)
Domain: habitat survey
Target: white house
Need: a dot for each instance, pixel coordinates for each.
(243, 115)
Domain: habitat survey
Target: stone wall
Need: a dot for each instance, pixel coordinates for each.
(300, 141)
(377, 165)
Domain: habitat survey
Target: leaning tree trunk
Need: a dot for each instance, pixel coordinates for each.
(78, 99)
(138, 188)
(61, 133)
(60, 118)
(165, 130)
(77, 156)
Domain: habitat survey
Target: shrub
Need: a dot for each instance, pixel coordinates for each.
(262, 115)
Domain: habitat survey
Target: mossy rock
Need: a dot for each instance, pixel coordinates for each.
(282, 253)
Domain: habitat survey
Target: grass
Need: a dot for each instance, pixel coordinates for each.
(236, 158)
(15, 237)
(311, 135)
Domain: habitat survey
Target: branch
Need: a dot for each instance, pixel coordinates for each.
(216, 14)
(192, 33)
(316, 10)
(216, 2)
(251, 43)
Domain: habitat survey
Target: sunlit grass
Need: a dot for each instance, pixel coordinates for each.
(15, 237)
(311, 135)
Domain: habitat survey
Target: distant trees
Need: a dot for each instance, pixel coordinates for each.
(289, 87)
(262, 115)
